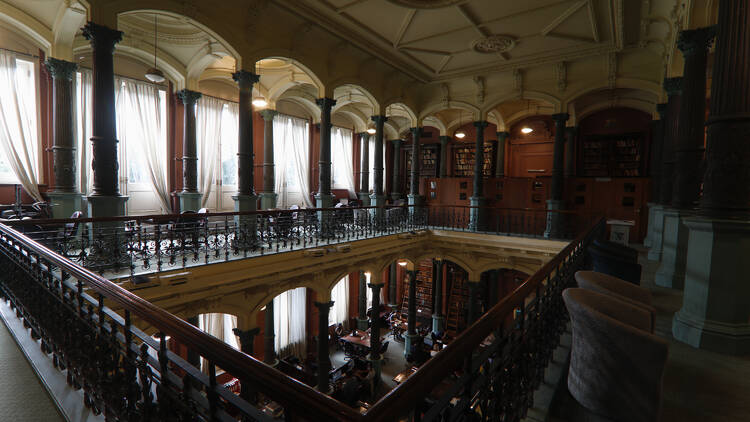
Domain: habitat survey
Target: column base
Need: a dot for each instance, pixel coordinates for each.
(438, 324)
(108, 239)
(411, 341)
(654, 254)
(554, 219)
(416, 207)
(650, 226)
(106, 206)
(364, 198)
(268, 200)
(64, 204)
(715, 313)
(362, 324)
(377, 367)
(325, 223)
(671, 272)
(190, 201)
(246, 225)
(377, 214)
(478, 216)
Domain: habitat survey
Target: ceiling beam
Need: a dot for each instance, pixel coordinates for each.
(348, 5)
(592, 18)
(565, 15)
(404, 27)
(429, 51)
(473, 21)
(571, 37)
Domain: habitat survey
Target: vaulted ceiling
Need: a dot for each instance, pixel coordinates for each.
(443, 39)
(438, 62)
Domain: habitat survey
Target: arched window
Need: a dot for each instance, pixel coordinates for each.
(341, 159)
(291, 155)
(19, 141)
(289, 322)
(339, 314)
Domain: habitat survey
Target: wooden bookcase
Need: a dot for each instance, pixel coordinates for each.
(612, 155)
(463, 160)
(429, 166)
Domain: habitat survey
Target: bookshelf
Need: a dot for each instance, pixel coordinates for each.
(464, 157)
(429, 166)
(612, 155)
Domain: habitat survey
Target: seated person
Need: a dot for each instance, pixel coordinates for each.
(350, 389)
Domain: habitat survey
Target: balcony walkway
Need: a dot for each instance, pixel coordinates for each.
(23, 398)
(699, 385)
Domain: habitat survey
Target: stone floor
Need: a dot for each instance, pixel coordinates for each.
(699, 385)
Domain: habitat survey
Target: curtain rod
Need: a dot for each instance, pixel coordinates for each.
(164, 87)
(20, 52)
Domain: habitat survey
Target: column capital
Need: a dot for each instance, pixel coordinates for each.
(321, 305)
(246, 337)
(661, 108)
(188, 97)
(325, 102)
(503, 135)
(268, 114)
(692, 41)
(245, 78)
(560, 117)
(379, 119)
(673, 86)
(416, 130)
(375, 285)
(481, 124)
(100, 36)
(397, 141)
(60, 69)
(364, 136)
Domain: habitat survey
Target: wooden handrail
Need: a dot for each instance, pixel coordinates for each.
(405, 395)
(291, 393)
(169, 218)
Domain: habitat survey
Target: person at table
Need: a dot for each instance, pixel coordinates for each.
(350, 389)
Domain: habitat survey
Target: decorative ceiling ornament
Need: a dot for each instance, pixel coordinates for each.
(493, 44)
(427, 4)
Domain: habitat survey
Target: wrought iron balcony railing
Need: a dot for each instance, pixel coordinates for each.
(489, 372)
(144, 244)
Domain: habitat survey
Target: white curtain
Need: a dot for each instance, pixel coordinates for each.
(208, 128)
(18, 121)
(291, 152)
(229, 140)
(340, 298)
(342, 144)
(142, 129)
(289, 322)
(368, 293)
(219, 326)
(84, 129)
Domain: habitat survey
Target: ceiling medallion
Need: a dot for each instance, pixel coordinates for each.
(494, 44)
(427, 4)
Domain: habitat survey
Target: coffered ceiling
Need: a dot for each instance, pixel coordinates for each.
(444, 39)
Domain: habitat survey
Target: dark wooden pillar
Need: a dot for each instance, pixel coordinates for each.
(324, 361)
